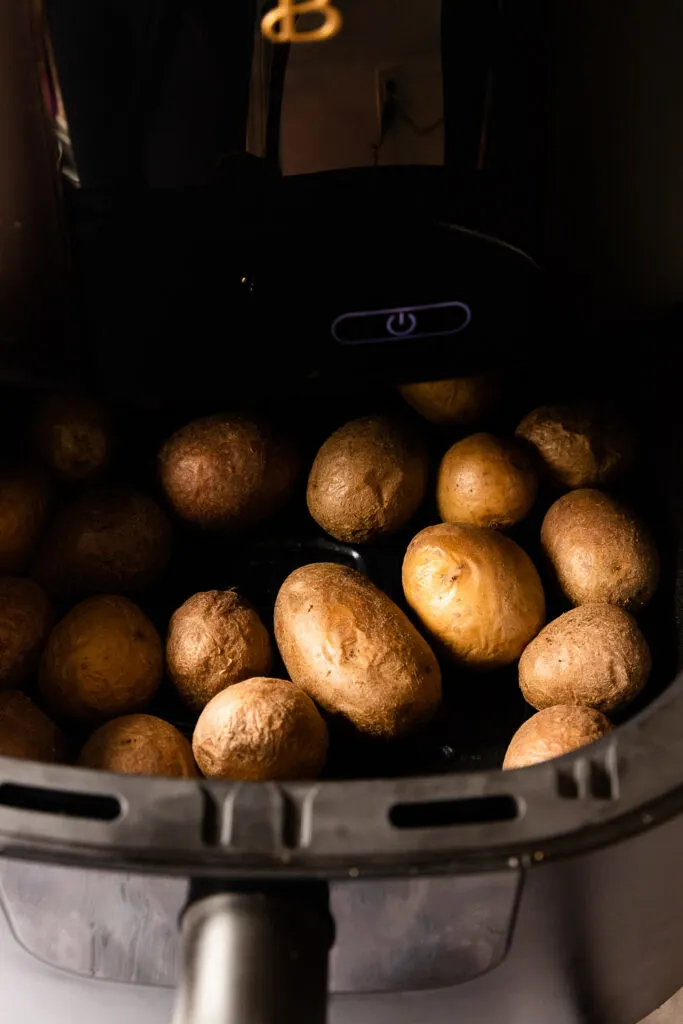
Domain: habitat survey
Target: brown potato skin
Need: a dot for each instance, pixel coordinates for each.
(593, 655)
(457, 402)
(476, 591)
(354, 651)
(215, 639)
(25, 623)
(25, 498)
(103, 659)
(26, 731)
(368, 480)
(553, 732)
(258, 730)
(486, 480)
(109, 540)
(139, 745)
(73, 436)
(579, 445)
(600, 551)
(227, 472)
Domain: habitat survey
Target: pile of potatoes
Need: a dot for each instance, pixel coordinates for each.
(81, 663)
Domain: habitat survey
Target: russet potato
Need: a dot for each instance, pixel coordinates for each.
(258, 730)
(368, 480)
(139, 745)
(486, 480)
(215, 639)
(354, 651)
(227, 472)
(553, 732)
(476, 592)
(594, 655)
(600, 550)
(103, 659)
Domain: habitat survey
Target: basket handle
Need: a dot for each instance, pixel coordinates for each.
(255, 954)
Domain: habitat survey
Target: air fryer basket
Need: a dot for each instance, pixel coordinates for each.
(436, 804)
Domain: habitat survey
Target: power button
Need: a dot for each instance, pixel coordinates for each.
(403, 322)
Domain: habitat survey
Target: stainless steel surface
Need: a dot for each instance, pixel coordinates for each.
(254, 957)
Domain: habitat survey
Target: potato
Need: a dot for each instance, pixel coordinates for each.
(260, 729)
(354, 651)
(476, 591)
(486, 481)
(109, 540)
(102, 660)
(600, 550)
(580, 445)
(139, 745)
(25, 622)
(553, 732)
(460, 401)
(25, 497)
(25, 731)
(368, 480)
(227, 472)
(73, 436)
(215, 639)
(593, 655)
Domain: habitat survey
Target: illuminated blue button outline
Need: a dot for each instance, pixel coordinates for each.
(389, 314)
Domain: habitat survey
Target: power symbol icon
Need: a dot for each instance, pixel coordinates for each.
(401, 324)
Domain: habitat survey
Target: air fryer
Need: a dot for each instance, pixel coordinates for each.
(193, 219)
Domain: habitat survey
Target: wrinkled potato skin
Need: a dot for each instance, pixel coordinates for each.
(259, 730)
(594, 655)
(600, 551)
(553, 732)
(215, 639)
(227, 472)
(367, 481)
(579, 445)
(354, 651)
(102, 660)
(111, 540)
(73, 436)
(476, 591)
(139, 745)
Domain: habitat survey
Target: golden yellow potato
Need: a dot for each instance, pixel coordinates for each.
(458, 402)
(553, 732)
(227, 472)
(368, 480)
(110, 540)
(215, 639)
(73, 435)
(593, 655)
(258, 730)
(354, 651)
(476, 591)
(600, 550)
(25, 622)
(486, 481)
(25, 731)
(580, 445)
(25, 497)
(102, 660)
(139, 745)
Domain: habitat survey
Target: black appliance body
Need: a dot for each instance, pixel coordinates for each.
(174, 272)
